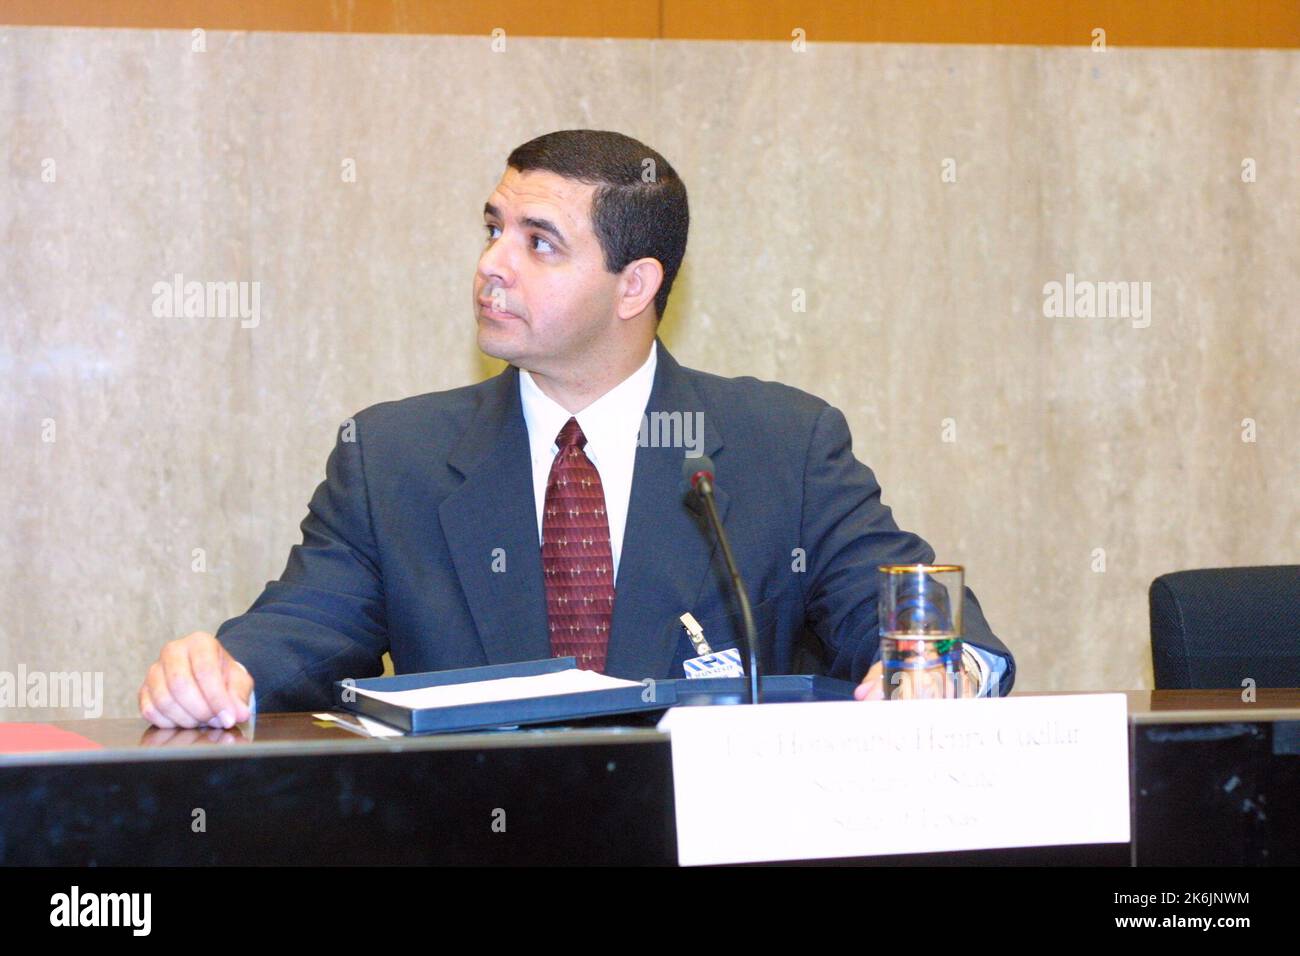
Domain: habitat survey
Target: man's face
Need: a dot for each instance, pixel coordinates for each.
(549, 300)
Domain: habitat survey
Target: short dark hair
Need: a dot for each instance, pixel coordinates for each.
(634, 217)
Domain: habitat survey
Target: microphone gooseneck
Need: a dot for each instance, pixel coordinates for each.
(699, 473)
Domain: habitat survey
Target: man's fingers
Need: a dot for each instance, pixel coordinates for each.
(172, 713)
(240, 684)
(195, 683)
(209, 673)
(150, 712)
(910, 685)
(180, 687)
(870, 688)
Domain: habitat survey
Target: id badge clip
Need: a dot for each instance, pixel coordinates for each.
(725, 663)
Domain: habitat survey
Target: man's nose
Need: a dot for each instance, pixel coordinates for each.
(494, 264)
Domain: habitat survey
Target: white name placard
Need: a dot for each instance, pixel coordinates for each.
(862, 778)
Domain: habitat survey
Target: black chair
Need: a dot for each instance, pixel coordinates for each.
(1218, 626)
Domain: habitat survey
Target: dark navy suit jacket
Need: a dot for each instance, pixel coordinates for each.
(422, 541)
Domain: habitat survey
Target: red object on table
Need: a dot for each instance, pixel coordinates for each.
(26, 738)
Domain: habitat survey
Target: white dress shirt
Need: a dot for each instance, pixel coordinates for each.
(612, 425)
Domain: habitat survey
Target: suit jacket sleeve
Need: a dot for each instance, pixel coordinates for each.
(848, 532)
(324, 619)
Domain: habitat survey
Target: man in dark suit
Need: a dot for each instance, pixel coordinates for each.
(544, 512)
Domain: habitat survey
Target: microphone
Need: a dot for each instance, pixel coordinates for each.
(699, 473)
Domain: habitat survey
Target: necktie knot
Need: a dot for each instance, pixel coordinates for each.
(571, 436)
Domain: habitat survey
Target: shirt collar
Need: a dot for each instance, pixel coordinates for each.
(610, 422)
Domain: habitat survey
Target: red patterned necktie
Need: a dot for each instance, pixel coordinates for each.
(576, 555)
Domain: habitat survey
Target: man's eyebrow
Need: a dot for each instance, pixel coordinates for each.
(541, 225)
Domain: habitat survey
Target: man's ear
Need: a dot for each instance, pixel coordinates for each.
(639, 286)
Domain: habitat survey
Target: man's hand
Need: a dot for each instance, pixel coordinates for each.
(195, 683)
(872, 686)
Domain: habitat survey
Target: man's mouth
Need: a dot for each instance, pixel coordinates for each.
(485, 308)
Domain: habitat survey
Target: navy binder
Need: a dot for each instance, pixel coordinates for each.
(651, 695)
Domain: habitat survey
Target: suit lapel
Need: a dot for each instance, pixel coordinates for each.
(495, 509)
(667, 545)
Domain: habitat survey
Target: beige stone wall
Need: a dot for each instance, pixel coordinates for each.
(820, 172)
